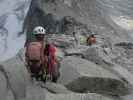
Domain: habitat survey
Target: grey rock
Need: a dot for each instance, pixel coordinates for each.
(61, 40)
(62, 16)
(68, 24)
(56, 88)
(37, 93)
(125, 45)
(34, 92)
(92, 54)
(79, 51)
(81, 76)
(10, 95)
(3, 85)
(74, 96)
(18, 76)
(40, 13)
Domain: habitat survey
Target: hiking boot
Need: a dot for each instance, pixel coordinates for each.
(48, 77)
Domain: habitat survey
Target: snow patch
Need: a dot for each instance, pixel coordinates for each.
(14, 43)
(124, 22)
(15, 12)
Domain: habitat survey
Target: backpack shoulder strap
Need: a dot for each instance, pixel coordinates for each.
(42, 51)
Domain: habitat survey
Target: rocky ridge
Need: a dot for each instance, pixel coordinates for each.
(99, 72)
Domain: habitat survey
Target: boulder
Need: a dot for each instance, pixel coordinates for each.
(92, 54)
(37, 93)
(82, 76)
(76, 51)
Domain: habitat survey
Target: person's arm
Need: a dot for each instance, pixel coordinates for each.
(54, 54)
(26, 43)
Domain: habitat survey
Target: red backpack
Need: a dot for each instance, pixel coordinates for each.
(50, 52)
(34, 51)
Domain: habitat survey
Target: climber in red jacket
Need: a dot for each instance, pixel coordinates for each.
(40, 56)
(91, 39)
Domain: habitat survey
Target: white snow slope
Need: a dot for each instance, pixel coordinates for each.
(12, 14)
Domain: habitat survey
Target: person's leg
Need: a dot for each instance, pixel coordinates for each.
(35, 69)
(43, 73)
(56, 73)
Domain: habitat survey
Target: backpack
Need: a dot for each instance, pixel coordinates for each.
(34, 51)
(52, 63)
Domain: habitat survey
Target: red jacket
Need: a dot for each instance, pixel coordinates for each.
(91, 40)
(50, 51)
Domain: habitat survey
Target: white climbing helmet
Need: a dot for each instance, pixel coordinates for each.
(39, 30)
(93, 33)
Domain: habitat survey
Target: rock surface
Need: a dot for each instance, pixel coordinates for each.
(17, 76)
(74, 96)
(3, 86)
(82, 76)
(95, 72)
